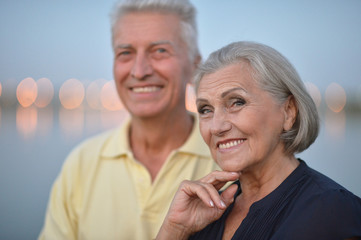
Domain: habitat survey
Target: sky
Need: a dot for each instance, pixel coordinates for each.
(71, 39)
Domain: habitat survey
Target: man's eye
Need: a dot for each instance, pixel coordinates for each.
(161, 50)
(124, 53)
(203, 110)
(160, 53)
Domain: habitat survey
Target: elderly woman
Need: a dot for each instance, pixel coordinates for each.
(255, 114)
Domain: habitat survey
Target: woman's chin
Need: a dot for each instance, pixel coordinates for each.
(231, 167)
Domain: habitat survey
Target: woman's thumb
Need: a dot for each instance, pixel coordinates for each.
(228, 194)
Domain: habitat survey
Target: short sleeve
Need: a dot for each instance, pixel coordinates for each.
(60, 220)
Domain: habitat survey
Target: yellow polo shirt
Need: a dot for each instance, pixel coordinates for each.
(103, 193)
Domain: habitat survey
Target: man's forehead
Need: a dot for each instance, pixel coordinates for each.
(151, 44)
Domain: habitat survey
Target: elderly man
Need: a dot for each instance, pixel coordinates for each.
(119, 185)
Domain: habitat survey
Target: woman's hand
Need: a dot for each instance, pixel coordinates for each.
(197, 204)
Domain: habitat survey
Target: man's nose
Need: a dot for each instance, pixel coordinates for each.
(142, 67)
(220, 123)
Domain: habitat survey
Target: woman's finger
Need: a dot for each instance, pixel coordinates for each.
(214, 195)
(219, 178)
(206, 193)
(228, 194)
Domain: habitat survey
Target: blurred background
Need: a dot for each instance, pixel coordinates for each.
(56, 85)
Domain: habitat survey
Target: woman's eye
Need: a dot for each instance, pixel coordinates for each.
(239, 102)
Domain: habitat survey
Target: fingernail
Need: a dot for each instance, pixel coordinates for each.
(211, 203)
(223, 204)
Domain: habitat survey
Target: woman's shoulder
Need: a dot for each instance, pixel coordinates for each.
(331, 212)
(317, 183)
(320, 189)
(338, 201)
(325, 207)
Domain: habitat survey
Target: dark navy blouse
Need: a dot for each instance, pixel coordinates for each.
(306, 206)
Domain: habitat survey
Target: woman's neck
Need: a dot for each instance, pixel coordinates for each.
(262, 180)
(257, 184)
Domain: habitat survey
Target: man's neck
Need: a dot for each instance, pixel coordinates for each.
(152, 140)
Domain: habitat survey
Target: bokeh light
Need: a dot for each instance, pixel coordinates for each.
(335, 97)
(26, 121)
(109, 97)
(92, 121)
(45, 121)
(71, 122)
(71, 94)
(190, 98)
(314, 92)
(26, 92)
(93, 93)
(8, 96)
(45, 92)
(335, 125)
(358, 97)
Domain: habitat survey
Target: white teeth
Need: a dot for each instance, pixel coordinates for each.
(145, 89)
(230, 144)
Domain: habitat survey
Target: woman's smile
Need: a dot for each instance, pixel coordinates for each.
(230, 144)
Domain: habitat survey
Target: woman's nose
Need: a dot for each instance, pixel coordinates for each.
(220, 123)
(141, 67)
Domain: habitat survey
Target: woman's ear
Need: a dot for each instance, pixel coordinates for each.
(291, 111)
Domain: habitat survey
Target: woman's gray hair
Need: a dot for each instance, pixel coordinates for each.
(276, 75)
(182, 8)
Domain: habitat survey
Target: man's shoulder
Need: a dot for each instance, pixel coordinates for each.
(90, 149)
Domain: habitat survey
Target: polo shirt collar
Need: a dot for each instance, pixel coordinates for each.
(195, 144)
(118, 142)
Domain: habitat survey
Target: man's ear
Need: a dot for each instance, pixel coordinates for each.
(291, 111)
(197, 61)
